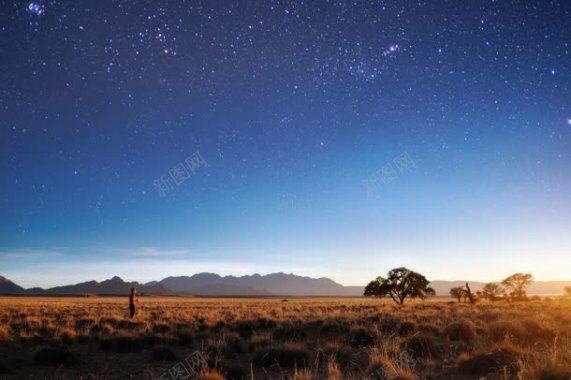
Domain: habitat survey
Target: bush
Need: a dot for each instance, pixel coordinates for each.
(361, 337)
(406, 328)
(421, 345)
(235, 373)
(282, 356)
(245, 329)
(462, 330)
(68, 335)
(265, 323)
(340, 354)
(161, 328)
(526, 331)
(537, 332)
(336, 326)
(429, 329)
(496, 361)
(289, 331)
(388, 324)
(502, 330)
(84, 323)
(234, 342)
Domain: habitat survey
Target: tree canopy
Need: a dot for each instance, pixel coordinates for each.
(399, 284)
(518, 283)
(458, 292)
(492, 291)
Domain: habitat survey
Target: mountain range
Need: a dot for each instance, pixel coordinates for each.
(275, 284)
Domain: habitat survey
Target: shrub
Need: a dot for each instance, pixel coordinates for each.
(336, 326)
(462, 330)
(289, 331)
(67, 335)
(265, 323)
(421, 345)
(495, 361)
(361, 337)
(161, 328)
(235, 373)
(335, 352)
(429, 329)
(84, 323)
(380, 368)
(502, 330)
(245, 328)
(234, 342)
(219, 326)
(388, 324)
(406, 328)
(282, 356)
(537, 332)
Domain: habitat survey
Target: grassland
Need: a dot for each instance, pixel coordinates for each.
(294, 338)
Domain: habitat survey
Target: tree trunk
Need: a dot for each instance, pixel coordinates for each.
(470, 295)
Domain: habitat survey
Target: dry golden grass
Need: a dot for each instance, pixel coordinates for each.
(275, 338)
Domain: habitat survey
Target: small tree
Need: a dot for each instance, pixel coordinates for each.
(567, 290)
(399, 284)
(458, 292)
(518, 283)
(492, 291)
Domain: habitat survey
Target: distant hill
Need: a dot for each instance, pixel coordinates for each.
(8, 287)
(113, 286)
(228, 290)
(275, 284)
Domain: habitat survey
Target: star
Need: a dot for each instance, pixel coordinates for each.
(35, 9)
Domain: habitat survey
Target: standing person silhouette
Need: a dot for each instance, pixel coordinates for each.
(132, 301)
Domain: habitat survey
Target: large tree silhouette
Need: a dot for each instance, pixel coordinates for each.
(492, 291)
(458, 292)
(399, 284)
(518, 283)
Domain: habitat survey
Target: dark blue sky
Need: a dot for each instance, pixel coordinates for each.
(335, 138)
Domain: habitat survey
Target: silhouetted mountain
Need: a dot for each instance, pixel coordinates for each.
(275, 283)
(8, 287)
(115, 285)
(278, 284)
(228, 290)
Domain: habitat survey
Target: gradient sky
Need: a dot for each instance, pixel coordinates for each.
(339, 139)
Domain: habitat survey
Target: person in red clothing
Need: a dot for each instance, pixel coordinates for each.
(132, 301)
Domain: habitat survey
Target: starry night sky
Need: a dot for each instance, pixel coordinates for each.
(337, 138)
